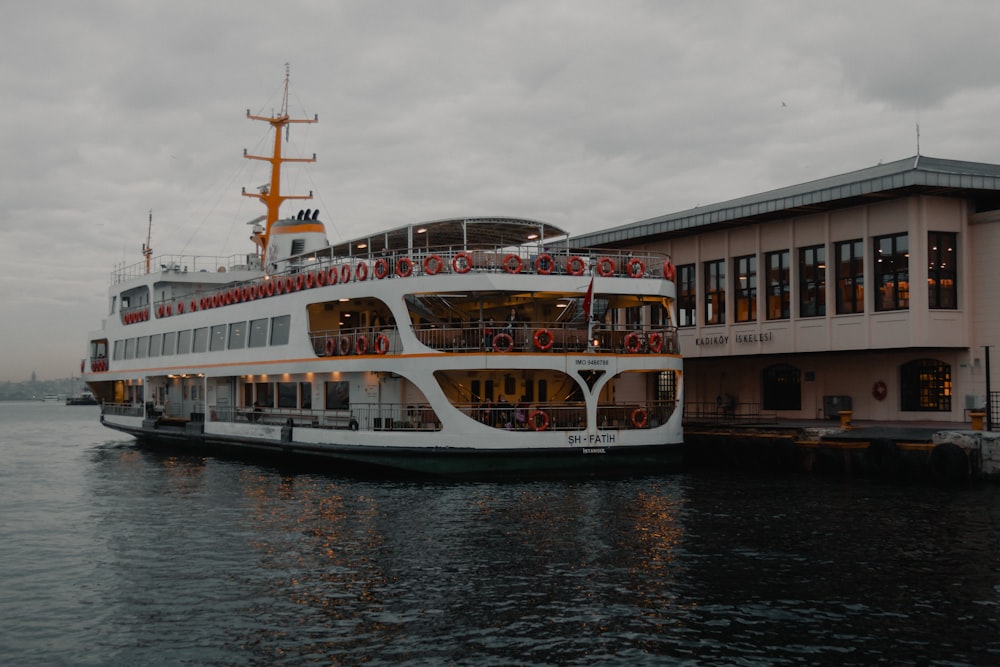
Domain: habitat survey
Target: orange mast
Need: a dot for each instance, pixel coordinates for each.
(270, 195)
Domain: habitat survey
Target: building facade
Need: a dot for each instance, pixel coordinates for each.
(873, 291)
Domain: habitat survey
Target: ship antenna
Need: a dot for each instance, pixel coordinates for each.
(147, 250)
(271, 195)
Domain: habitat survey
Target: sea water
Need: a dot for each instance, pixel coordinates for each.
(114, 555)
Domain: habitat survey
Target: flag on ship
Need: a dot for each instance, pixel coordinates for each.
(588, 300)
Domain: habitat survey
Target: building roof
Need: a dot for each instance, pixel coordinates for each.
(919, 174)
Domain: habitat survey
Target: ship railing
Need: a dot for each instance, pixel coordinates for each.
(122, 409)
(540, 337)
(185, 264)
(359, 416)
(636, 414)
(569, 416)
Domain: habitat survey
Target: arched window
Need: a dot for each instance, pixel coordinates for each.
(781, 387)
(925, 386)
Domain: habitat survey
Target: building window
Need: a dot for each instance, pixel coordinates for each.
(781, 387)
(812, 281)
(715, 292)
(850, 268)
(745, 287)
(776, 264)
(687, 299)
(925, 386)
(892, 272)
(942, 269)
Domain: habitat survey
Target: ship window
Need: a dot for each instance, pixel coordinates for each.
(288, 395)
(237, 335)
(218, 337)
(130, 348)
(258, 333)
(338, 395)
(141, 347)
(155, 343)
(666, 386)
(262, 391)
(200, 340)
(184, 341)
(119, 348)
(169, 343)
(279, 329)
(305, 391)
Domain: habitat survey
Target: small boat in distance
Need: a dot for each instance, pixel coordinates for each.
(86, 397)
(468, 346)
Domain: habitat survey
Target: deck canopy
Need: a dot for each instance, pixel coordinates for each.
(453, 233)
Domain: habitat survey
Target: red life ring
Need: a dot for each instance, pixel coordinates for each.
(320, 278)
(310, 280)
(345, 273)
(636, 268)
(289, 285)
(538, 421)
(639, 418)
(575, 266)
(331, 347)
(361, 345)
(361, 271)
(668, 270)
(404, 267)
(503, 342)
(167, 310)
(194, 306)
(433, 264)
(345, 345)
(381, 268)
(879, 391)
(512, 263)
(332, 275)
(381, 344)
(204, 303)
(656, 342)
(543, 339)
(300, 282)
(245, 294)
(232, 296)
(271, 287)
(461, 262)
(254, 291)
(180, 308)
(159, 312)
(544, 264)
(605, 266)
(632, 342)
(279, 285)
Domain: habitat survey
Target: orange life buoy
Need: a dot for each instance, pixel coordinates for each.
(168, 311)
(245, 294)
(668, 270)
(461, 262)
(380, 268)
(404, 267)
(544, 264)
(433, 264)
(345, 273)
(289, 285)
(605, 266)
(332, 275)
(180, 308)
(254, 291)
(639, 418)
(310, 280)
(503, 342)
(300, 282)
(543, 339)
(575, 266)
(331, 347)
(538, 420)
(512, 263)
(271, 287)
(159, 312)
(361, 345)
(632, 342)
(194, 306)
(880, 391)
(656, 342)
(203, 302)
(381, 344)
(361, 271)
(345, 345)
(320, 278)
(636, 268)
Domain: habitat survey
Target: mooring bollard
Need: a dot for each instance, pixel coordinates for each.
(845, 418)
(977, 420)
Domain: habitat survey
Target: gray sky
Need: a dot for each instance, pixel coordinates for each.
(584, 113)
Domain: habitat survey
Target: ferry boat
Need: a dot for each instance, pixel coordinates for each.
(469, 346)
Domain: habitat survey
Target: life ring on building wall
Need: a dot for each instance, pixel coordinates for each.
(636, 268)
(543, 339)
(503, 342)
(605, 266)
(575, 265)
(461, 262)
(433, 264)
(381, 269)
(668, 270)
(879, 391)
(632, 342)
(544, 264)
(639, 418)
(381, 344)
(404, 267)
(512, 263)
(538, 421)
